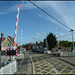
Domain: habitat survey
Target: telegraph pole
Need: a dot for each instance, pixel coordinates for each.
(57, 35)
(46, 43)
(72, 39)
(0, 52)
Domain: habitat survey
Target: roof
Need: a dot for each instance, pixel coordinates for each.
(11, 39)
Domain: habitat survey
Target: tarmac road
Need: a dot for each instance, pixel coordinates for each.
(46, 64)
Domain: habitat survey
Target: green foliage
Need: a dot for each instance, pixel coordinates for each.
(51, 39)
(18, 47)
(44, 42)
(36, 43)
(65, 43)
(23, 46)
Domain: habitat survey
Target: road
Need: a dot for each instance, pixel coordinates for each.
(46, 64)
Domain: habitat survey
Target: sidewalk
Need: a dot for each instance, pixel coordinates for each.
(70, 60)
(24, 67)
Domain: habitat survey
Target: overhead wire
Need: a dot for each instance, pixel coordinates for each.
(66, 35)
(50, 15)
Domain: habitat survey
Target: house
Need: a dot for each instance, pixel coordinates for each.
(6, 42)
(29, 46)
(38, 47)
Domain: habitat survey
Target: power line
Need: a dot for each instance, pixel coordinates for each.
(50, 15)
(65, 35)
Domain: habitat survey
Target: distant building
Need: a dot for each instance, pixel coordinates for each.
(29, 46)
(6, 42)
(37, 47)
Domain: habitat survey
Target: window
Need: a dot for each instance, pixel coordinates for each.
(7, 45)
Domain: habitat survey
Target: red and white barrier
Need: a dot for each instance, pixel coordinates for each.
(16, 29)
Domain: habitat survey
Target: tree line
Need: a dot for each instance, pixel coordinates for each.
(51, 42)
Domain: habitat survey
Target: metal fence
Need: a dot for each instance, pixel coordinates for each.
(68, 53)
(11, 68)
(67, 49)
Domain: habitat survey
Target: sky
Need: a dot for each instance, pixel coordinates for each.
(35, 23)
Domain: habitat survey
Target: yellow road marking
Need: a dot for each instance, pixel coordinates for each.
(42, 67)
(33, 66)
(40, 64)
(43, 70)
(54, 68)
(51, 60)
(72, 71)
(55, 63)
(63, 68)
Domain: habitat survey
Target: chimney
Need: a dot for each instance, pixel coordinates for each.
(2, 36)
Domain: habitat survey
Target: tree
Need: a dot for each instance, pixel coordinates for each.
(44, 42)
(36, 43)
(51, 39)
(65, 43)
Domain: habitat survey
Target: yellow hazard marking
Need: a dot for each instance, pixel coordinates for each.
(43, 70)
(39, 65)
(64, 68)
(54, 68)
(33, 66)
(72, 71)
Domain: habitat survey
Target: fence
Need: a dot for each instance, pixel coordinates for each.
(9, 69)
(67, 49)
(68, 53)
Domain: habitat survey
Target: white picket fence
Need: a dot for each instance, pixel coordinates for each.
(11, 68)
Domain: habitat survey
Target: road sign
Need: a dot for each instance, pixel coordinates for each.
(59, 48)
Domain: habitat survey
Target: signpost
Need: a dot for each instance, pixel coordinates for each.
(59, 48)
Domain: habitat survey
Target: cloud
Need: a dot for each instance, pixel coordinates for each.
(23, 6)
(36, 37)
(44, 33)
(38, 34)
(63, 11)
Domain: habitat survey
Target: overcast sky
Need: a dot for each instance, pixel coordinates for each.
(34, 22)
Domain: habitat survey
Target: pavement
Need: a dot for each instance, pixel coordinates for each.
(24, 65)
(70, 60)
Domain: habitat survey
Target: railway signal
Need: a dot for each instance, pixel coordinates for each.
(11, 52)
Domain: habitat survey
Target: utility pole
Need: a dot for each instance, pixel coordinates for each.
(46, 43)
(57, 35)
(0, 52)
(21, 41)
(72, 39)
